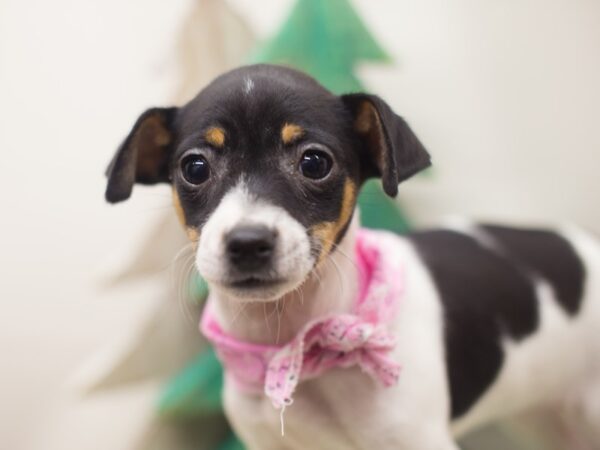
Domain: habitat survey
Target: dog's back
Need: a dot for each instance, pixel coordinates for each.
(521, 318)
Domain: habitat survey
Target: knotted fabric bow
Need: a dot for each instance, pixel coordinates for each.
(339, 341)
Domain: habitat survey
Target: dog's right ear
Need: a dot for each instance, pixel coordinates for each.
(392, 150)
(144, 155)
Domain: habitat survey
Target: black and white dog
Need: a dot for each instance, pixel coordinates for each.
(265, 166)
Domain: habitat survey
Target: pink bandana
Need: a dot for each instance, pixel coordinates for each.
(360, 337)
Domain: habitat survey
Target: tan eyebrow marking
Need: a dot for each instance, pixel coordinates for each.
(215, 136)
(290, 132)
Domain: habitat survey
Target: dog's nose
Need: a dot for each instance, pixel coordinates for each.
(250, 247)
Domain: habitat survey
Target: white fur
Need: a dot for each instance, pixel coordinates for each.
(248, 85)
(558, 363)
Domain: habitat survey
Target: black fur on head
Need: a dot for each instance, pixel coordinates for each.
(258, 123)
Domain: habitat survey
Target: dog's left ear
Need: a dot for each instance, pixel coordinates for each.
(144, 155)
(392, 150)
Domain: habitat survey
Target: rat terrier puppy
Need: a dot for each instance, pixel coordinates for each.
(367, 340)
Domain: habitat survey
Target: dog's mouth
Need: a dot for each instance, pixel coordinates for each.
(255, 283)
(254, 288)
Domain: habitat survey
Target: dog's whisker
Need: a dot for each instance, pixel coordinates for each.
(338, 250)
(185, 294)
(301, 291)
(319, 278)
(182, 302)
(238, 313)
(279, 312)
(180, 276)
(339, 275)
(182, 251)
(267, 324)
(329, 298)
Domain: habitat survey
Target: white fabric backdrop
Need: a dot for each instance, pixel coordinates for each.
(504, 94)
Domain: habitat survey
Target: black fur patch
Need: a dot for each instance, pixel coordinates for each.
(485, 297)
(547, 255)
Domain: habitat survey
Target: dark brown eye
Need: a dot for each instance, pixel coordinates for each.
(315, 164)
(195, 169)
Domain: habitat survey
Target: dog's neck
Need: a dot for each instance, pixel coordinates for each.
(331, 288)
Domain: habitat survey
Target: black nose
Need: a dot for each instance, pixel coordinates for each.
(250, 247)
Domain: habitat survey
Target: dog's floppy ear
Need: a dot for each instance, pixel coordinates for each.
(392, 149)
(144, 155)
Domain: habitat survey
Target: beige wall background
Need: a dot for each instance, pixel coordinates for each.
(504, 94)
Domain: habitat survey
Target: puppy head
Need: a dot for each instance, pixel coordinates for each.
(265, 166)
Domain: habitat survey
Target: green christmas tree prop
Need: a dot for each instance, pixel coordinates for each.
(327, 39)
(196, 391)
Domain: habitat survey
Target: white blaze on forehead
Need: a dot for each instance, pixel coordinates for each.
(239, 207)
(248, 85)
